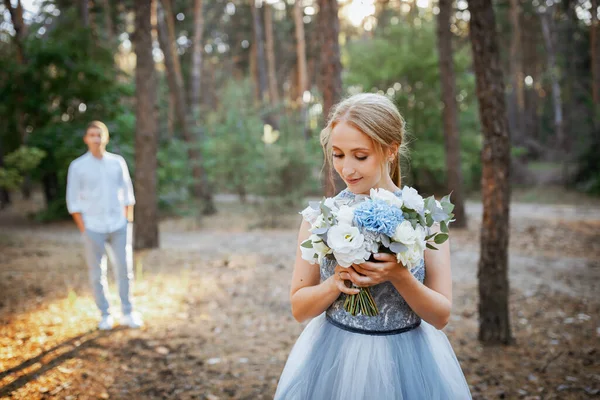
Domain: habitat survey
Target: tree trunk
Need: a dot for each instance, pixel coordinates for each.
(146, 131)
(553, 68)
(451, 136)
(331, 66)
(16, 16)
(301, 65)
(270, 49)
(595, 67)
(167, 41)
(84, 12)
(260, 52)
(108, 22)
(331, 72)
(516, 72)
(494, 321)
(196, 67)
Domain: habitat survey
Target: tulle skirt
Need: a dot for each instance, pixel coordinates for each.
(330, 363)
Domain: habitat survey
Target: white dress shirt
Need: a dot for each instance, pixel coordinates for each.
(99, 189)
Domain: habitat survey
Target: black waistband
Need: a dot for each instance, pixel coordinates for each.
(374, 333)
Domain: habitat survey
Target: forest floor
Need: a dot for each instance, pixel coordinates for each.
(215, 300)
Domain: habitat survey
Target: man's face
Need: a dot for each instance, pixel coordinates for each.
(95, 140)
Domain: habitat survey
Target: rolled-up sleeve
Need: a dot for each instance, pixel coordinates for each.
(73, 190)
(129, 197)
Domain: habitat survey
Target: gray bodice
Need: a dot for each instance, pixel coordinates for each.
(394, 313)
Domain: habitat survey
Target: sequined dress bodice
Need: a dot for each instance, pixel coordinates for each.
(394, 313)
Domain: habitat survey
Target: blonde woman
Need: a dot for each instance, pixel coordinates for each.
(400, 353)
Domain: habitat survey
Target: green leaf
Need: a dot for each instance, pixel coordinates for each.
(440, 238)
(307, 244)
(430, 246)
(429, 219)
(444, 227)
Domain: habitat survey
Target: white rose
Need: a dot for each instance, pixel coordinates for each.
(387, 196)
(347, 244)
(345, 215)
(310, 215)
(411, 257)
(412, 199)
(405, 234)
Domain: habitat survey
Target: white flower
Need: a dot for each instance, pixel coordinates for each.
(310, 215)
(309, 254)
(347, 244)
(405, 234)
(421, 233)
(412, 199)
(330, 203)
(319, 223)
(319, 247)
(411, 257)
(387, 196)
(345, 215)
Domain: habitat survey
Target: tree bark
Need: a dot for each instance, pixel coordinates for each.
(146, 131)
(331, 66)
(301, 65)
(451, 136)
(494, 321)
(196, 70)
(270, 50)
(260, 52)
(16, 16)
(108, 22)
(331, 72)
(516, 73)
(553, 68)
(595, 67)
(84, 12)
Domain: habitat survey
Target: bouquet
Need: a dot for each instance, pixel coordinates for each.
(351, 231)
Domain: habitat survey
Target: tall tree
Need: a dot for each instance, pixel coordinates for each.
(196, 59)
(261, 67)
(301, 62)
(330, 82)
(331, 66)
(451, 137)
(494, 321)
(547, 30)
(270, 50)
(517, 103)
(595, 67)
(84, 12)
(146, 131)
(108, 21)
(167, 40)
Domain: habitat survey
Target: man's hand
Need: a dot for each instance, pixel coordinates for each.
(79, 222)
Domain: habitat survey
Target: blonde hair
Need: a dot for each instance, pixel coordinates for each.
(377, 117)
(98, 125)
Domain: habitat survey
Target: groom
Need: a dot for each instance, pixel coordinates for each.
(100, 199)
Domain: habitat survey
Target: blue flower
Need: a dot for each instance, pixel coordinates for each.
(378, 216)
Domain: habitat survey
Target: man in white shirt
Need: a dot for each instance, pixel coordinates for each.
(100, 198)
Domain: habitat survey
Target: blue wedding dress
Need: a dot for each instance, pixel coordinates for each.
(392, 356)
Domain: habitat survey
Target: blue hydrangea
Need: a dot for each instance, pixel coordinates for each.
(378, 216)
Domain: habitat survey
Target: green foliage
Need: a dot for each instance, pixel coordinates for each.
(241, 159)
(18, 163)
(403, 62)
(68, 80)
(588, 175)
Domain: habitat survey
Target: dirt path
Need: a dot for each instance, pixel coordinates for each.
(215, 296)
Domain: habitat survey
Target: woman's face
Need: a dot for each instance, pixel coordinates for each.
(356, 160)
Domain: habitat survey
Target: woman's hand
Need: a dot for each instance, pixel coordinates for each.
(340, 276)
(387, 268)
